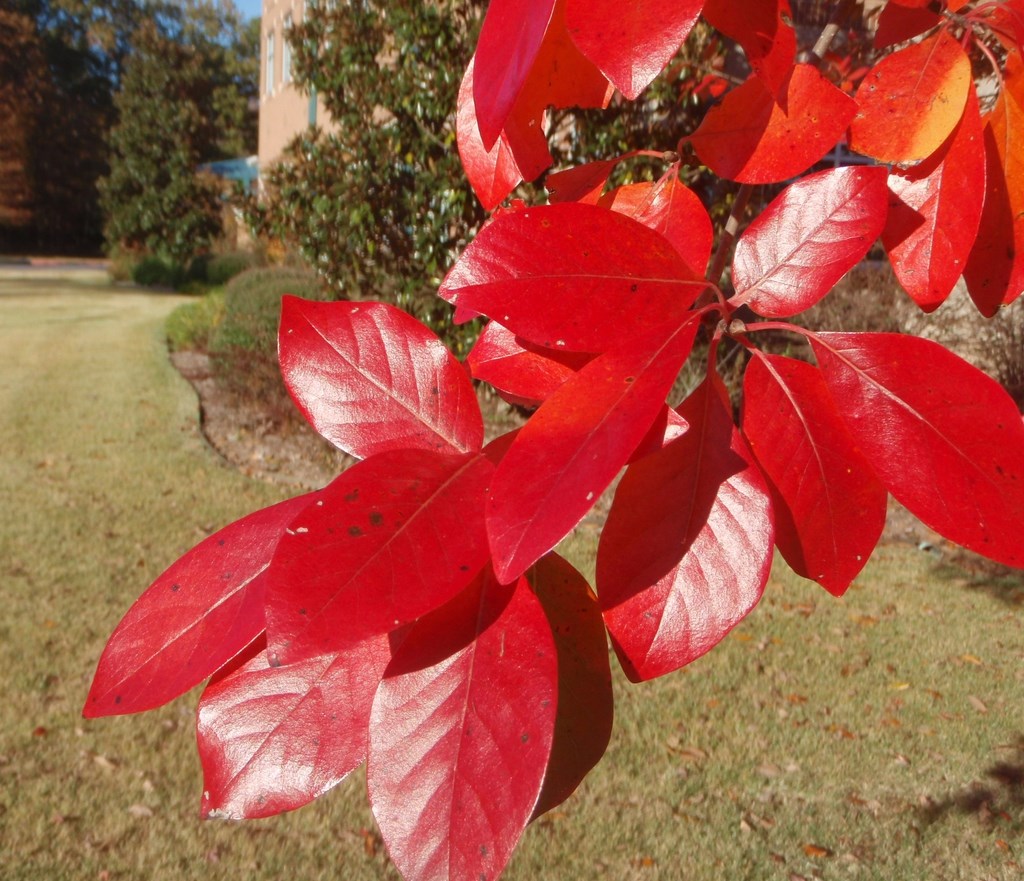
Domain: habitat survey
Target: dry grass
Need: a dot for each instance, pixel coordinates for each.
(875, 737)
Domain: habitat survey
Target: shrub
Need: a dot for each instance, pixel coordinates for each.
(244, 342)
(154, 271)
(219, 269)
(252, 307)
(192, 325)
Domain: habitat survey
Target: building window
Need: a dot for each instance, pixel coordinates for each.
(270, 63)
(286, 53)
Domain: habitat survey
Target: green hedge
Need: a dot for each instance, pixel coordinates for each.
(252, 308)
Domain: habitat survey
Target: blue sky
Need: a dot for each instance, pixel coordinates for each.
(250, 8)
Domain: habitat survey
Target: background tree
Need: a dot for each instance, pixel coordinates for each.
(63, 61)
(184, 100)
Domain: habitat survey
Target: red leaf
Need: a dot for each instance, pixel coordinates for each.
(829, 506)
(666, 428)
(631, 42)
(672, 209)
(510, 40)
(945, 439)
(522, 375)
(193, 619)
(760, 28)
(461, 732)
(573, 446)
(583, 183)
(911, 101)
(562, 76)
(390, 539)
(520, 152)
(753, 137)
(370, 378)
(583, 725)
(687, 548)
(272, 739)
(810, 236)
(571, 276)
(995, 269)
(898, 23)
(934, 212)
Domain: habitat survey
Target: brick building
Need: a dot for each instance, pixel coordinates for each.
(284, 110)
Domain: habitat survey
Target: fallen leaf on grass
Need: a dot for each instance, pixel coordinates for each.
(140, 811)
(977, 703)
(816, 851)
(971, 659)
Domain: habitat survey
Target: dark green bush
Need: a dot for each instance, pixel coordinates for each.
(252, 307)
(219, 269)
(156, 272)
(244, 344)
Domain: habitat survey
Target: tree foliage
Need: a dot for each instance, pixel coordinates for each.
(63, 62)
(413, 613)
(183, 101)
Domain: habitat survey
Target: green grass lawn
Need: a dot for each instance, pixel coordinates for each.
(880, 736)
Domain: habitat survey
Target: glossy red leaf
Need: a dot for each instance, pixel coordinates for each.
(631, 42)
(575, 444)
(390, 539)
(898, 23)
(519, 153)
(829, 506)
(911, 100)
(934, 213)
(200, 613)
(995, 269)
(754, 137)
(808, 238)
(583, 725)
(370, 378)
(687, 548)
(761, 28)
(461, 732)
(669, 207)
(570, 276)
(509, 42)
(272, 739)
(522, 374)
(945, 439)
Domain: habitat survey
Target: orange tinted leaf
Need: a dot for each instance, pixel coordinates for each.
(934, 212)
(752, 137)
(911, 101)
(995, 271)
